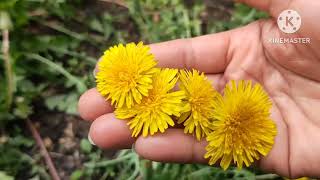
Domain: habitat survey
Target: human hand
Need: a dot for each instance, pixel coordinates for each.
(290, 73)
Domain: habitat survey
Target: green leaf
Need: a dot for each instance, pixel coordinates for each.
(54, 101)
(95, 24)
(63, 102)
(4, 176)
(23, 108)
(85, 145)
(7, 4)
(77, 174)
(20, 140)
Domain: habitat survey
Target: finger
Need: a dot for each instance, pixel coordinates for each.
(218, 81)
(107, 132)
(171, 146)
(206, 53)
(273, 7)
(91, 105)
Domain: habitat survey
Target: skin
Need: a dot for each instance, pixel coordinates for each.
(290, 73)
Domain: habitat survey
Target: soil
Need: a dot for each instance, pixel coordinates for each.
(61, 135)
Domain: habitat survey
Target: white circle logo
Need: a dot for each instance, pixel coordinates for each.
(289, 21)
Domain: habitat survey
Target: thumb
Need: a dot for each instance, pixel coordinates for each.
(273, 7)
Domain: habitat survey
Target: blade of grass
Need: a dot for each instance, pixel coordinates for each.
(146, 169)
(89, 59)
(60, 28)
(137, 168)
(186, 20)
(64, 30)
(80, 85)
(109, 162)
(267, 176)
(201, 172)
(124, 152)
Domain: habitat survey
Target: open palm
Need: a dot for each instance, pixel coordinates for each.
(290, 73)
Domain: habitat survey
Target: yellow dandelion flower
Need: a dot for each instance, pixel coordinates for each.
(242, 130)
(200, 100)
(125, 73)
(155, 110)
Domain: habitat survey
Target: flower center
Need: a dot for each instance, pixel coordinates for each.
(237, 125)
(128, 79)
(197, 103)
(152, 102)
(233, 122)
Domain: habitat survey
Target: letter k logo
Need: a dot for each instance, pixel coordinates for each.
(289, 21)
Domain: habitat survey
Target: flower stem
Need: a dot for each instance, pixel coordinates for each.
(8, 67)
(43, 151)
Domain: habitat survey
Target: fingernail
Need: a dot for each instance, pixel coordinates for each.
(90, 140)
(132, 148)
(94, 73)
